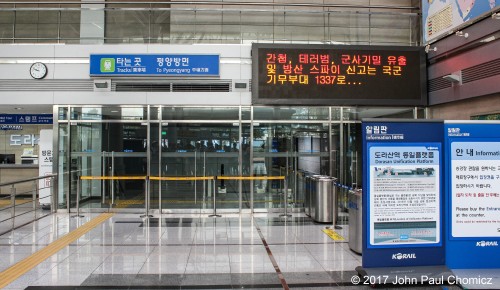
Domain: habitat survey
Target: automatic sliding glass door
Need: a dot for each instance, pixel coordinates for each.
(281, 149)
(189, 156)
(108, 160)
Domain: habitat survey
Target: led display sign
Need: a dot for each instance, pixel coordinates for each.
(338, 75)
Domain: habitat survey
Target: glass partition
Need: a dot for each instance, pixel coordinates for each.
(181, 149)
(386, 23)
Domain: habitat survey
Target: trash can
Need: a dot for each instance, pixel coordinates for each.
(356, 220)
(307, 195)
(309, 188)
(301, 186)
(323, 199)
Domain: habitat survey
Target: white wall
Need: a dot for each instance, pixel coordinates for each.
(71, 62)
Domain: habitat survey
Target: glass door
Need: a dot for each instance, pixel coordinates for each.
(113, 150)
(283, 150)
(189, 156)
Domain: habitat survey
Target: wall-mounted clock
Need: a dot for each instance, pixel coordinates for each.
(38, 70)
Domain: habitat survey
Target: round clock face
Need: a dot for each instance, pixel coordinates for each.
(38, 70)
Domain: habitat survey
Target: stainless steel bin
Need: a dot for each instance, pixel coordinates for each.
(310, 188)
(355, 206)
(323, 199)
(307, 195)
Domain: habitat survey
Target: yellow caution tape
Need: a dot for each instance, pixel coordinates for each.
(251, 177)
(182, 178)
(113, 177)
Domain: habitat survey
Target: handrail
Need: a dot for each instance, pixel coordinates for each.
(27, 180)
(20, 208)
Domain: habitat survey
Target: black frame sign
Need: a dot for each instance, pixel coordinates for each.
(285, 74)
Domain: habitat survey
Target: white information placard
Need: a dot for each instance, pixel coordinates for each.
(475, 189)
(45, 156)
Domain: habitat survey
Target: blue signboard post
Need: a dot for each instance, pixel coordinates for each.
(402, 194)
(473, 195)
(154, 65)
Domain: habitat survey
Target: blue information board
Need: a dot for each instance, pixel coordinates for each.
(402, 194)
(26, 119)
(473, 195)
(154, 65)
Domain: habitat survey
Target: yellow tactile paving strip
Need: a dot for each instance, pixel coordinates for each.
(333, 235)
(11, 274)
(6, 202)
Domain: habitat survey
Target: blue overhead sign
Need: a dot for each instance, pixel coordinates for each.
(402, 194)
(26, 119)
(154, 65)
(473, 195)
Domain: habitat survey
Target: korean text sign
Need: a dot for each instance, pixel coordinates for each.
(473, 194)
(338, 75)
(154, 65)
(402, 194)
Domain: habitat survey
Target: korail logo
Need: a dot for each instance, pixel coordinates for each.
(487, 244)
(400, 256)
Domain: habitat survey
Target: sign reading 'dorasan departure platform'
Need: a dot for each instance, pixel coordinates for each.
(154, 65)
(338, 75)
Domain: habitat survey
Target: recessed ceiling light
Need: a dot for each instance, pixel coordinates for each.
(114, 111)
(18, 108)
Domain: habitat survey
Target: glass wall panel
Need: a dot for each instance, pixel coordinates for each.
(283, 150)
(109, 113)
(127, 26)
(191, 142)
(200, 113)
(63, 166)
(199, 150)
(291, 113)
(6, 26)
(376, 112)
(116, 150)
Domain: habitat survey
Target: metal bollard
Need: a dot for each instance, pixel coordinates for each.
(215, 208)
(13, 204)
(146, 197)
(78, 198)
(285, 199)
(35, 194)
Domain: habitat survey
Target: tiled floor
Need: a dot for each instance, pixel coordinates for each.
(184, 251)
